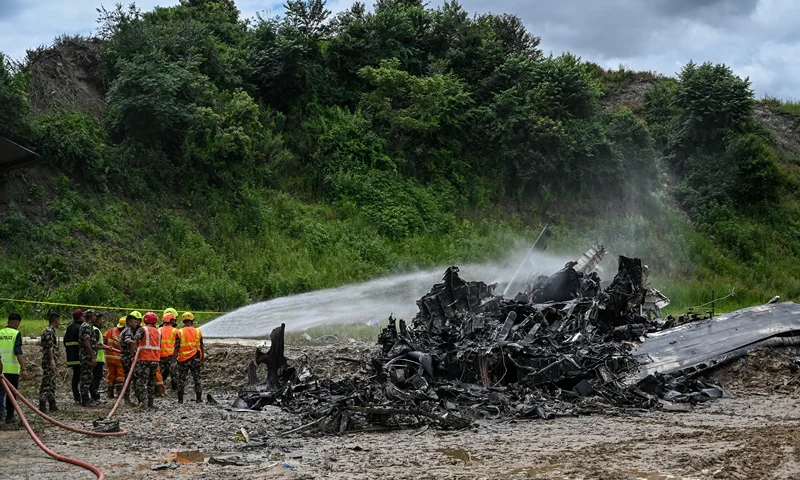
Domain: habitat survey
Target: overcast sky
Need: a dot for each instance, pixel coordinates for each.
(757, 38)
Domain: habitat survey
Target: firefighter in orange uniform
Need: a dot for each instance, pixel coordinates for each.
(189, 353)
(148, 340)
(116, 377)
(168, 333)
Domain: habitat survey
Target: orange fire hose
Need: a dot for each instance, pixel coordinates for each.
(9, 391)
(59, 424)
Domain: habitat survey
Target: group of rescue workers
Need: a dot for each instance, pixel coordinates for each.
(160, 353)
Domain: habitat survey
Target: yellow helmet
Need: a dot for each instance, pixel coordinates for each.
(136, 314)
(170, 310)
(121, 323)
(187, 316)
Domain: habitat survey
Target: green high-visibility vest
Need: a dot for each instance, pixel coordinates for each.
(10, 362)
(101, 354)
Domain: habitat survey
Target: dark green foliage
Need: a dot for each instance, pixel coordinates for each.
(153, 100)
(546, 129)
(205, 33)
(14, 103)
(340, 142)
(75, 143)
(421, 117)
(634, 157)
(230, 143)
(661, 111)
(712, 103)
(249, 160)
(396, 206)
(757, 176)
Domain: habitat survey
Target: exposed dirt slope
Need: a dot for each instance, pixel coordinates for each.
(66, 76)
(631, 95)
(785, 128)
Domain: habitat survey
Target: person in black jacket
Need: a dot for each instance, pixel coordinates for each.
(73, 351)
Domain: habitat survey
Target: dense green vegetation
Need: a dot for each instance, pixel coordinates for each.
(239, 160)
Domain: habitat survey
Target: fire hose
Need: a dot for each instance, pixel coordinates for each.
(10, 392)
(53, 420)
(13, 393)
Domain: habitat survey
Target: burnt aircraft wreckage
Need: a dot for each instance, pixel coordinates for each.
(566, 345)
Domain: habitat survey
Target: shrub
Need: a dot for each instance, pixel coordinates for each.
(713, 102)
(14, 100)
(757, 175)
(75, 143)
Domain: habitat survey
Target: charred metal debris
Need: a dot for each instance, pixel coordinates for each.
(560, 348)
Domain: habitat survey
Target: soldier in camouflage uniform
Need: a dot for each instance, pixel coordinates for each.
(88, 359)
(50, 354)
(125, 341)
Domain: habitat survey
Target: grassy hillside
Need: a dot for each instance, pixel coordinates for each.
(195, 160)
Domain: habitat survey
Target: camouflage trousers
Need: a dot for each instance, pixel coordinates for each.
(85, 384)
(165, 365)
(126, 367)
(144, 382)
(47, 391)
(193, 366)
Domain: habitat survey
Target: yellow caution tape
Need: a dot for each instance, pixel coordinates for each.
(99, 307)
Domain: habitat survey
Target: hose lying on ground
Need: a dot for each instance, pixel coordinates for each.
(124, 387)
(61, 425)
(9, 391)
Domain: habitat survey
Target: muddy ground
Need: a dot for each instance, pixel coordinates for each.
(754, 435)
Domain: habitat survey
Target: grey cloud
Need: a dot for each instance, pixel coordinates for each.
(757, 38)
(687, 7)
(10, 8)
(617, 27)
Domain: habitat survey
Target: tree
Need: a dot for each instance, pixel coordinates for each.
(544, 124)
(206, 32)
(14, 101)
(422, 118)
(153, 99)
(230, 143)
(308, 17)
(713, 102)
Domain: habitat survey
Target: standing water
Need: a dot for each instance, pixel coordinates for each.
(360, 303)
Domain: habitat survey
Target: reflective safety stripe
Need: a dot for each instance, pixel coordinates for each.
(190, 343)
(73, 362)
(167, 340)
(150, 345)
(10, 361)
(112, 340)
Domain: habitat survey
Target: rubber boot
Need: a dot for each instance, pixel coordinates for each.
(43, 406)
(198, 397)
(150, 403)
(110, 390)
(53, 406)
(180, 397)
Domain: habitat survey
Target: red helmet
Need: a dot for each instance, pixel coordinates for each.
(150, 318)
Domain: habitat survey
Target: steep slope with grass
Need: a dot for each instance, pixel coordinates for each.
(197, 160)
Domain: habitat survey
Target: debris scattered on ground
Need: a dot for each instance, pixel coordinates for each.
(560, 348)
